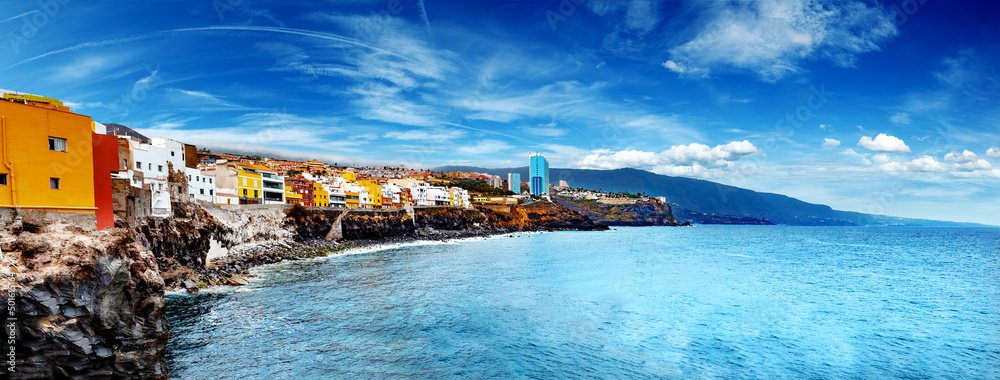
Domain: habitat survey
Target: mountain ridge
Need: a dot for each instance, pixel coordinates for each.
(702, 196)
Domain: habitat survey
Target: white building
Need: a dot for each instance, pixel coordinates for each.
(200, 187)
(391, 191)
(174, 149)
(273, 186)
(437, 196)
(459, 197)
(337, 196)
(151, 161)
(495, 181)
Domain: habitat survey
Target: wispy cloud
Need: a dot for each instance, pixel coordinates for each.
(772, 38)
(18, 16)
(693, 160)
(200, 101)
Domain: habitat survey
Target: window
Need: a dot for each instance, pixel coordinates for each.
(255, 194)
(3, 179)
(159, 168)
(125, 163)
(171, 154)
(138, 165)
(210, 192)
(150, 166)
(244, 192)
(57, 144)
(54, 183)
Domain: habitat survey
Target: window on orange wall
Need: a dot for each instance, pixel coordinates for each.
(57, 144)
(54, 183)
(3, 179)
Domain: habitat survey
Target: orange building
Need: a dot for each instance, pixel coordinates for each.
(47, 160)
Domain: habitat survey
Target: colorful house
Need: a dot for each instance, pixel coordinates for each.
(249, 186)
(321, 197)
(302, 187)
(51, 159)
(374, 191)
(291, 197)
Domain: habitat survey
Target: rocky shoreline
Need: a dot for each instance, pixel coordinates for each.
(234, 269)
(90, 304)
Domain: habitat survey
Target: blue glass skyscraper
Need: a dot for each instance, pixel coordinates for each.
(514, 182)
(538, 174)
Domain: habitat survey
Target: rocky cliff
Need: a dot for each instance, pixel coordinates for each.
(649, 212)
(88, 304)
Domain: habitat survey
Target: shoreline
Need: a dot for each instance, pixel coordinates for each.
(236, 270)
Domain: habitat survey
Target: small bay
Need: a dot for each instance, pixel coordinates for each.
(650, 302)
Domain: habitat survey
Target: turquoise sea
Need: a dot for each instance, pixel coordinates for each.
(651, 302)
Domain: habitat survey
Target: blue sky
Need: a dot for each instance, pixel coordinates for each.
(881, 107)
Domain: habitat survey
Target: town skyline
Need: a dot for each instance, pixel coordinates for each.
(862, 103)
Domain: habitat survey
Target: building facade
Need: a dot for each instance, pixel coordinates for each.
(514, 182)
(538, 174)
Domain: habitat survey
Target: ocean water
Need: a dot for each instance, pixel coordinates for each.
(652, 302)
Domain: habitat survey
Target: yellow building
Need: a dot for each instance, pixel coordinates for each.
(352, 199)
(374, 191)
(321, 197)
(248, 185)
(46, 156)
(292, 197)
(350, 177)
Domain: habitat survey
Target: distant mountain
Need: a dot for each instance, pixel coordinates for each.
(708, 197)
(121, 130)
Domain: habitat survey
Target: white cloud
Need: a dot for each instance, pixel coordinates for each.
(666, 125)
(554, 99)
(772, 37)
(200, 101)
(677, 68)
(484, 148)
(432, 135)
(994, 152)
(544, 130)
(900, 118)
(964, 157)
(825, 127)
(830, 143)
(693, 160)
(963, 165)
(884, 143)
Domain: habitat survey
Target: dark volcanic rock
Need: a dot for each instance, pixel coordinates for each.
(650, 212)
(91, 306)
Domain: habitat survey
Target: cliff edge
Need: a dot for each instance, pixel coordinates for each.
(87, 304)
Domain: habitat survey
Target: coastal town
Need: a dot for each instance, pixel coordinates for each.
(56, 160)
